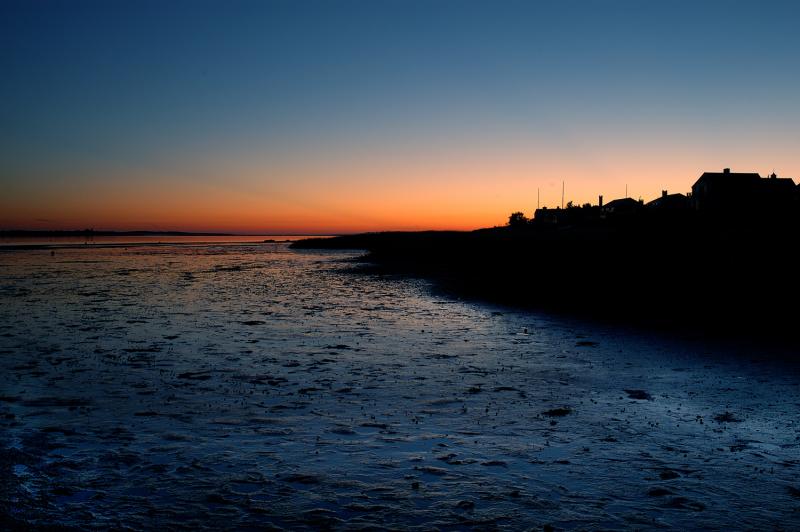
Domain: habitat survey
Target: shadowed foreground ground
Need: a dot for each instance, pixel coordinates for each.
(677, 274)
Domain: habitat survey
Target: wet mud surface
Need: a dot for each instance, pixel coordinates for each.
(236, 386)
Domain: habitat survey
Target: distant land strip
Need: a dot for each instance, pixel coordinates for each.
(23, 233)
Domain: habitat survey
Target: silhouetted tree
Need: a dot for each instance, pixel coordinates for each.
(517, 219)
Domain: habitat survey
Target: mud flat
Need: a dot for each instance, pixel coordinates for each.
(230, 386)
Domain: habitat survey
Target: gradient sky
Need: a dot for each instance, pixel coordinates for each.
(337, 116)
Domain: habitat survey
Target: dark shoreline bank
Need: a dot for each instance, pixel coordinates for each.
(689, 276)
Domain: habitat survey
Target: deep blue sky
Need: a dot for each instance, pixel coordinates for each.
(102, 90)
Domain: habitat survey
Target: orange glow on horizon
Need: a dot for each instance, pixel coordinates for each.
(348, 195)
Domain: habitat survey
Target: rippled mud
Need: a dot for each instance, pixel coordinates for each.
(235, 386)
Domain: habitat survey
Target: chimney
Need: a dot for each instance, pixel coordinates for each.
(663, 193)
(600, 201)
(726, 170)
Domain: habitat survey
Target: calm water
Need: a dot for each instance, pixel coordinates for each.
(246, 385)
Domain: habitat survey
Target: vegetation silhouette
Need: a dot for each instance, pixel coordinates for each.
(517, 219)
(668, 263)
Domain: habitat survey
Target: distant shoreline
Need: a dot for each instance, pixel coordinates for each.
(24, 233)
(52, 240)
(113, 245)
(32, 233)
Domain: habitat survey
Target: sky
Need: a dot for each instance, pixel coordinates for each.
(341, 116)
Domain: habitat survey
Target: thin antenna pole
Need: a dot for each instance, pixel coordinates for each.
(562, 194)
(537, 198)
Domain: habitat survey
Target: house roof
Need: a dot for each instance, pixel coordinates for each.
(730, 177)
(772, 182)
(622, 202)
(670, 200)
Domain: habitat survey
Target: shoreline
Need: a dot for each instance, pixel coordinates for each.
(115, 245)
(697, 280)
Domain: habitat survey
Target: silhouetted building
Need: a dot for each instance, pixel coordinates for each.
(542, 215)
(777, 192)
(725, 195)
(670, 202)
(729, 193)
(724, 191)
(555, 216)
(622, 206)
(573, 214)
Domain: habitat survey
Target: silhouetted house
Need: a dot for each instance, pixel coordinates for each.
(669, 202)
(573, 214)
(551, 216)
(724, 191)
(622, 206)
(729, 193)
(777, 192)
